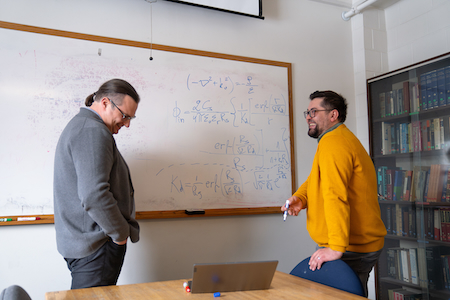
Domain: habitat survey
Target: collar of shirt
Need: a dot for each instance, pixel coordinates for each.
(328, 130)
(91, 110)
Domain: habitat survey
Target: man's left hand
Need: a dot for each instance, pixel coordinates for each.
(322, 255)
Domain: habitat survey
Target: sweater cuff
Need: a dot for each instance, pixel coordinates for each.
(337, 248)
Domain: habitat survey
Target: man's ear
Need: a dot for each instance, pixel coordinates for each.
(104, 102)
(334, 115)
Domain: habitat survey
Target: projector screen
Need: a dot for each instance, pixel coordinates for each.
(251, 8)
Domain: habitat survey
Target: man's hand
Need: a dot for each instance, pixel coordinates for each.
(295, 206)
(322, 255)
(120, 243)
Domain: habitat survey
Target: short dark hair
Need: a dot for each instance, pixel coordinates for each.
(332, 100)
(114, 88)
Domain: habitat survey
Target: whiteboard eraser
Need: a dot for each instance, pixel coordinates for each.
(194, 211)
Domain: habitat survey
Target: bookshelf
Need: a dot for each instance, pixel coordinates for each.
(409, 123)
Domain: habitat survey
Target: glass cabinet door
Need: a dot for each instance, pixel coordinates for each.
(409, 116)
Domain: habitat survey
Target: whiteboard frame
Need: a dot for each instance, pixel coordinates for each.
(48, 219)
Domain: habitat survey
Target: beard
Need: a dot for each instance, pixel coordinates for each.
(314, 132)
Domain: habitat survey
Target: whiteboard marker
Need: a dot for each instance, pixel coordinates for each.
(28, 218)
(286, 211)
(186, 287)
(5, 219)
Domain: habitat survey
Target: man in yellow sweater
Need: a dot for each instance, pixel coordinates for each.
(340, 194)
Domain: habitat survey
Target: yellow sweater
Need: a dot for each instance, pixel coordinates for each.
(340, 195)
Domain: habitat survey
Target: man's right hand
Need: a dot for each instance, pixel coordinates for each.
(295, 206)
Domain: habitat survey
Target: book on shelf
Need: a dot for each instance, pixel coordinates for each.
(441, 94)
(445, 270)
(414, 269)
(406, 267)
(437, 224)
(437, 133)
(402, 99)
(437, 182)
(432, 223)
(400, 102)
(382, 101)
(389, 183)
(395, 137)
(423, 91)
(418, 183)
(403, 294)
(447, 84)
(385, 182)
(386, 138)
(430, 135)
(381, 181)
(406, 89)
(415, 98)
(392, 98)
(412, 226)
(392, 263)
(386, 218)
(422, 184)
(400, 220)
(431, 86)
(404, 264)
(426, 186)
(433, 89)
(434, 266)
(445, 224)
(429, 223)
(407, 137)
(407, 185)
(422, 265)
(398, 184)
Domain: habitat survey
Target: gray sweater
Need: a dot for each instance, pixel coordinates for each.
(92, 189)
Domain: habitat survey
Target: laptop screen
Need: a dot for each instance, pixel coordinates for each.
(230, 277)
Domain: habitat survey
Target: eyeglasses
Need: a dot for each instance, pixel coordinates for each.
(312, 112)
(124, 116)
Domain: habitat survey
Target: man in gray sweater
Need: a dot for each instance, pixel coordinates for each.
(93, 195)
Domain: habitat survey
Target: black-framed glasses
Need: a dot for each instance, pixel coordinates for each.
(124, 116)
(312, 112)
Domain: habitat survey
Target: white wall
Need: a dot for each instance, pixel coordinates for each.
(417, 30)
(310, 35)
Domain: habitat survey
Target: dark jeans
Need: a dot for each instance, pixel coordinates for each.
(362, 264)
(98, 269)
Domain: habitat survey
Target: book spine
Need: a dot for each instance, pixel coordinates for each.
(441, 98)
(423, 91)
(447, 84)
(407, 98)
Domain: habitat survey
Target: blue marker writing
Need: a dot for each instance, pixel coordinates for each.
(286, 211)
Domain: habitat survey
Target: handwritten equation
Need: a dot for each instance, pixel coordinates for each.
(226, 181)
(224, 83)
(237, 110)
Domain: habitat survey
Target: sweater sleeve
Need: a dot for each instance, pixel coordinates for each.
(336, 168)
(302, 193)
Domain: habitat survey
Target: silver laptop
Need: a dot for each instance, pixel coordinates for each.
(230, 277)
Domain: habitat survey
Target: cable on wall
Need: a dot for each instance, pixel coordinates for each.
(151, 27)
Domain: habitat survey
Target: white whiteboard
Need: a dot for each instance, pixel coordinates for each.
(210, 132)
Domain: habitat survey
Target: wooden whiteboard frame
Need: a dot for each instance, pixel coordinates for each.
(48, 219)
